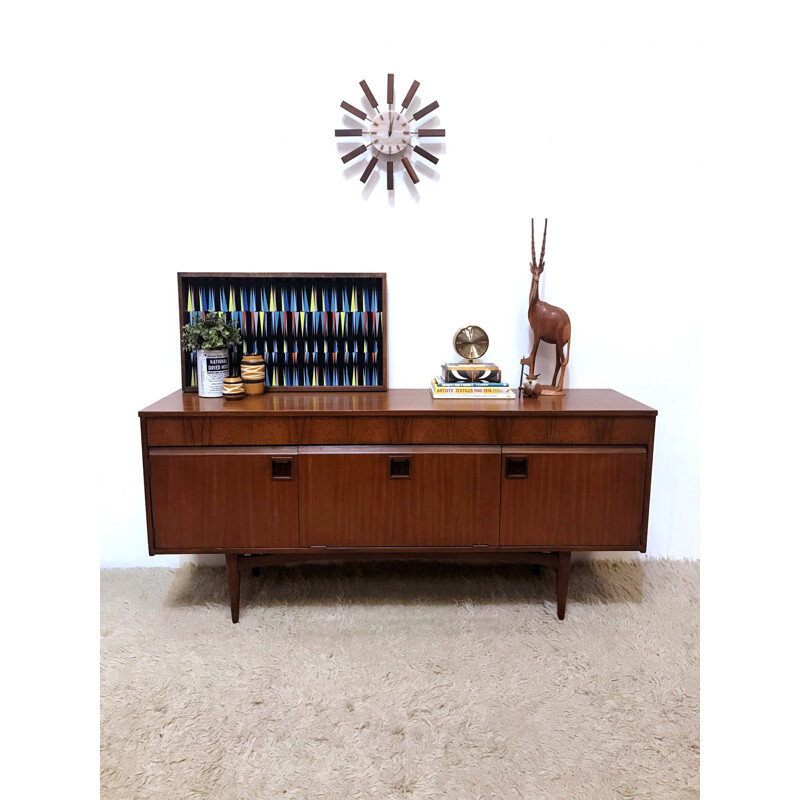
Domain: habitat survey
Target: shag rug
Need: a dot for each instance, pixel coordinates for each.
(401, 680)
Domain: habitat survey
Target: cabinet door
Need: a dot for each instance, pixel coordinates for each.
(590, 497)
(223, 498)
(406, 497)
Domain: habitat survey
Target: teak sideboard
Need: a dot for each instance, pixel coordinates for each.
(286, 477)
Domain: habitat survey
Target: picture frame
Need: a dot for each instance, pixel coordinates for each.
(317, 331)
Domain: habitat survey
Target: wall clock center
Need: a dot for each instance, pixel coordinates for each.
(390, 133)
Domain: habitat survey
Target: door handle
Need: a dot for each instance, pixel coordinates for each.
(282, 468)
(399, 466)
(516, 467)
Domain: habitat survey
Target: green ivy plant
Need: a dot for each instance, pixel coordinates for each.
(211, 333)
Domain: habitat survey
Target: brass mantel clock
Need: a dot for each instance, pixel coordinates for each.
(471, 342)
(390, 136)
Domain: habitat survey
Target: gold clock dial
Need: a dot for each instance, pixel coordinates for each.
(471, 342)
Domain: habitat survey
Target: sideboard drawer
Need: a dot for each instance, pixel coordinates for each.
(222, 431)
(579, 497)
(399, 496)
(213, 499)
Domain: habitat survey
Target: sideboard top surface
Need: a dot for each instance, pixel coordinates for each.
(405, 402)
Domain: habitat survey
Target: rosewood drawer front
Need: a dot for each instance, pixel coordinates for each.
(575, 497)
(367, 430)
(216, 499)
(399, 496)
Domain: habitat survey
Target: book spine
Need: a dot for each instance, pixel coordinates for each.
(470, 366)
(464, 396)
(460, 389)
(475, 390)
(478, 391)
(442, 384)
(451, 375)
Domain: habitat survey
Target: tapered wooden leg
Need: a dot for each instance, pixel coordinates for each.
(232, 565)
(562, 582)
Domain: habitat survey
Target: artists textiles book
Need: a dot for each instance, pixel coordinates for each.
(484, 391)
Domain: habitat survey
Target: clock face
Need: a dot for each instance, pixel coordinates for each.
(390, 133)
(390, 137)
(471, 342)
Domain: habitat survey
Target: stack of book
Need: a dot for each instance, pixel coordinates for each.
(470, 380)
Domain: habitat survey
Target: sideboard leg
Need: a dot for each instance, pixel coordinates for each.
(232, 565)
(562, 582)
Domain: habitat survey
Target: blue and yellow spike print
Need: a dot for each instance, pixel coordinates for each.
(313, 331)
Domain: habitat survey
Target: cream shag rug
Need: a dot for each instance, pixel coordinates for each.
(401, 680)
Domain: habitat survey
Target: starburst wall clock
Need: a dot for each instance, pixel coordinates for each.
(390, 136)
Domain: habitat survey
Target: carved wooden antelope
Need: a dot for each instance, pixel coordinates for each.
(549, 323)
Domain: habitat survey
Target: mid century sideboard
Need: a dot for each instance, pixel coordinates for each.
(286, 477)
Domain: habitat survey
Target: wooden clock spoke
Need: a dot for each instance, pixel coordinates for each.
(349, 132)
(370, 97)
(428, 132)
(389, 176)
(353, 153)
(425, 154)
(427, 110)
(410, 95)
(368, 171)
(390, 89)
(410, 170)
(356, 112)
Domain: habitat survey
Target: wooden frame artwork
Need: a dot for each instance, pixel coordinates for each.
(317, 331)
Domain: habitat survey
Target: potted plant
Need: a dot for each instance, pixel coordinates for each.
(211, 337)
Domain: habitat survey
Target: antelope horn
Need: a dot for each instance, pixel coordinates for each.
(533, 245)
(544, 241)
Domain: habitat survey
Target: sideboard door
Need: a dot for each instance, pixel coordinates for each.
(425, 496)
(584, 497)
(223, 498)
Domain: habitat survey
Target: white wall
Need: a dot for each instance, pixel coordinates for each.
(221, 157)
(199, 136)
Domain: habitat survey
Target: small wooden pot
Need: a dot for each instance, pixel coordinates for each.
(233, 389)
(253, 371)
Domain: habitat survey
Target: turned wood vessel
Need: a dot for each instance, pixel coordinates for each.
(233, 389)
(253, 372)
